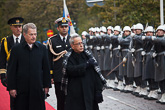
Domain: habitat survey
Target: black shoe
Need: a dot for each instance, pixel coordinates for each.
(158, 101)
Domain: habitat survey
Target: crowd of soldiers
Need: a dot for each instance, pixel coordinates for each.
(135, 57)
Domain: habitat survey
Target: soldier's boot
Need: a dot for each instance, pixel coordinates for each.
(137, 91)
(148, 96)
(143, 92)
(120, 86)
(154, 95)
(128, 89)
(134, 85)
(112, 84)
(159, 91)
(108, 81)
(162, 99)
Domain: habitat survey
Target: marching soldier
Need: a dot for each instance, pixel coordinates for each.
(58, 46)
(141, 89)
(148, 64)
(124, 43)
(6, 45)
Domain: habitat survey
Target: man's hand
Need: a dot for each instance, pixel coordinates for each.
(52, 81)
(13, 93)
(46, 90)
(91, 62)
(4, 79)
(124, 60)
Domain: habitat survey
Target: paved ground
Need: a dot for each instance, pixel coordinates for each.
(115, 100)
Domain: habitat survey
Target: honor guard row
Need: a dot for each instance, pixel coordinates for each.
(134, 56)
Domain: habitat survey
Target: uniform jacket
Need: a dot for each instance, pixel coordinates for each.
(10, 44)
(58, 46)
(28, 72)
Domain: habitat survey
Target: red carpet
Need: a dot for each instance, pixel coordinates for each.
(5, 99)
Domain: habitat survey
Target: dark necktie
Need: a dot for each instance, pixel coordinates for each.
(64, 39)
(17, 40)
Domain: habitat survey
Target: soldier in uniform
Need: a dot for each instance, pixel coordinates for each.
(6, 44)
(148, 64)
(58, 46)
(141, 89)
(159, 56)
(110, 30)
(124, 43)
(115, 57)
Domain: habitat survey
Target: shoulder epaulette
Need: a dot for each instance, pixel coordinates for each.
(3, 39)
(52, 36)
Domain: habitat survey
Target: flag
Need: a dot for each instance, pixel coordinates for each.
(66, 15)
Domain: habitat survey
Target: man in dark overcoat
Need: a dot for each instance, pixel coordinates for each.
(6, 44)
(28, 72)
(58, 46)
(82, 80)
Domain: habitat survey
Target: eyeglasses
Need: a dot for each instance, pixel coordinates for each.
(80, 43)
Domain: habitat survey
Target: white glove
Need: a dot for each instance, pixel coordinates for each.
(124, 60)
(154, 55)
(153, 37)
(143, 37)
(143, 53)
(119, 47)
(132, 50)
(110, 47)
(91, 37)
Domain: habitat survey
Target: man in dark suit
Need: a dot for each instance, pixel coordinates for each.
(28, 72)
(6, 44)
(58, 46)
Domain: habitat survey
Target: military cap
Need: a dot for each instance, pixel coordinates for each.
(62, 21)
(16, 21)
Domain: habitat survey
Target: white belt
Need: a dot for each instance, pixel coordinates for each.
(139, 49)
(124, 50)
(161, 53)
(106, 46)
(116, 48)
(148, 53)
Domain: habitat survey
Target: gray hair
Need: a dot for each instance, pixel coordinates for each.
(27, 26)
(71, 40)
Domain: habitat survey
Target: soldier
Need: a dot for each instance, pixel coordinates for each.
(90, 31)
(83, 35)
(158, 55)
(58, 46)
(115, 57)
(110, 30)
(141, 89)
(124, 43)
(148, 64)
(6, 44)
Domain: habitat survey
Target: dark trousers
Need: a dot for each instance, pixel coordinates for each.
(152, 84)
(140, 82)
(162, 86)
(119, 77)
(128, 80)
(60, 96)
(12, 103)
